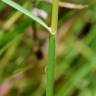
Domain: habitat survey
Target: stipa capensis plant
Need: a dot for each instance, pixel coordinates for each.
(75, 70)
(52, 40)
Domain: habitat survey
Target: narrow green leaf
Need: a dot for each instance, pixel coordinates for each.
(26, 12)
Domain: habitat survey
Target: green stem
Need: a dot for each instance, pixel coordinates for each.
(52, 51)
(51, 66)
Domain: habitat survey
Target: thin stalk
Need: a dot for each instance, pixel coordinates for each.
(52, 51)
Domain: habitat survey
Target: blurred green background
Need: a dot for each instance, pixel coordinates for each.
(24, 49)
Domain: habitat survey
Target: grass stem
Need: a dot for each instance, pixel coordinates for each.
(52, 51)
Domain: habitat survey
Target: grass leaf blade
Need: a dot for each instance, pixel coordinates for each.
(26, 12)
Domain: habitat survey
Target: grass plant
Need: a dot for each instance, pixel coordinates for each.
(47, 48)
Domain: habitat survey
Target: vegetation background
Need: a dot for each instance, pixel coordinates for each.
(24, 49)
